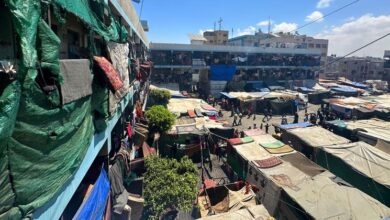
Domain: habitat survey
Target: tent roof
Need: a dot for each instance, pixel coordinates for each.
(364, 158)
(250, 213)
(375, 128)
(323, 198)
(251, 151)
(317, 136)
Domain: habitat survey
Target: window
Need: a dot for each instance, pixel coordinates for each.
(318, 45)
(311, 45)
(324, 46)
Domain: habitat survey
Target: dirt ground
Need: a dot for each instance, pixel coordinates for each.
(276, 119)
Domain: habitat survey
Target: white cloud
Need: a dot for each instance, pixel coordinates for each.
(284, 27)
(323, 3)
(315, 16)
(349, 19)
(265, 23)
(353, 34)
(202, 31)
(249, 30)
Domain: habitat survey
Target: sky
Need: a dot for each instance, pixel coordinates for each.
(171, 21)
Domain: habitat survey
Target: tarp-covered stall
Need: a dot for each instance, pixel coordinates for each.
(289, 193)
(308, 140)
(362, 165)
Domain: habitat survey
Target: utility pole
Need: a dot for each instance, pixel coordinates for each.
(220, 23)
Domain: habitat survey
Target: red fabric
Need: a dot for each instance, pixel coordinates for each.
(139, 113)
(191, 113)
(235, 141)
(268, 163)
(112, 75)
(147, 150)
(209, 183)
(213, 117)
(129, 130)
(208, 107)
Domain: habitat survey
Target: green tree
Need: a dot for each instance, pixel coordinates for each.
(160, 96)
(169, 184)
(160, 119)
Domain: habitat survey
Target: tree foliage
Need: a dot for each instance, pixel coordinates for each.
(169, 184)
(160, 119)
(160, 96)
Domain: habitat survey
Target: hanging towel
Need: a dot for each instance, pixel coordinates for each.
(77, 80)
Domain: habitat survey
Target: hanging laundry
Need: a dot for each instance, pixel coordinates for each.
(111, 74)
(77, 80)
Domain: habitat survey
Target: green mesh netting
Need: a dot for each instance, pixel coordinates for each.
(41, 143)
(81, 8)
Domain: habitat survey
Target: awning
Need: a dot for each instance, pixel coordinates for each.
(227, 95)
(295, 125)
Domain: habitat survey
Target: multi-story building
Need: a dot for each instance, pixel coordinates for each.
(216, 37)
(386, 67)
(60, 114)
(355, 68)
(287, 40)
(249, 40)
(180, 63)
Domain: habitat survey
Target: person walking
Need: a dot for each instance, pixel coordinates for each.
(269, 114)
(284, 120)
(265, 114)
(235, 117)
(266, 128)
(239, 119)
(296, 117)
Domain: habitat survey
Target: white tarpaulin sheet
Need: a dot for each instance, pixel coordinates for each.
(365, 159)
(375, 128)
(252, 151)
(323, 198)
(317, 136)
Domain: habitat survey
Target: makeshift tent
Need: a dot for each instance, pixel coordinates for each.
(222, 72)
(344, 91)
(295, 125)
(362, 165)
(239, 155)
(308, 140)
(288, 192)
(251, 213)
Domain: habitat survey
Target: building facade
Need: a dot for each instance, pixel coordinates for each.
(249, 40)
(186, 64)
(287, 40)
(355, 68)
(216, 37)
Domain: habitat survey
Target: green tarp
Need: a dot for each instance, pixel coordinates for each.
(41, 142)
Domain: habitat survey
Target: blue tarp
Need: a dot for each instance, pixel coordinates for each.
(227, 95)
(93, 207)
(344, 89)
(222, 72)
(304, 89)
(357, 85)
(296, 125)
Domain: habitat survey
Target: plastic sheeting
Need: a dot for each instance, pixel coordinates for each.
(48, 141)
(222, 72)
(93, 207)
(315, 136)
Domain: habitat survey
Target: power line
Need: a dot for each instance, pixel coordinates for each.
(354, 51)
(326, 15)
